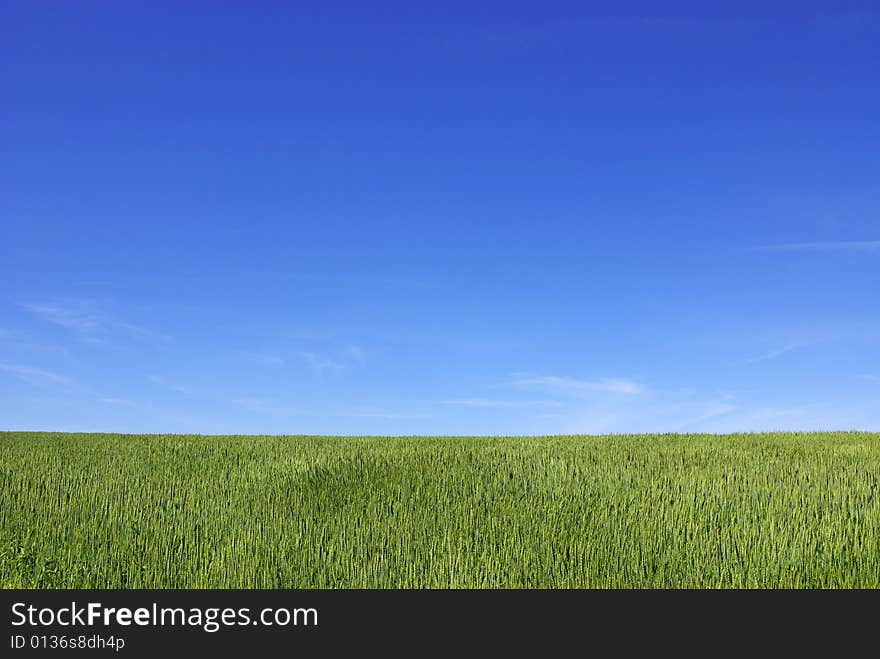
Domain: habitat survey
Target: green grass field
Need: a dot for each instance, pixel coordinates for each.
(166, 511)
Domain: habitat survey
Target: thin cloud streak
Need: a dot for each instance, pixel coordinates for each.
(37, 376)
(126, 402)
(263, 405)
(92, 325)
(391, 416)
(502, 404)
(350, 355)
(712, 413)
(319, 363)
(773, 354)
(828, 246)
(77, 321)
(265, 358)
(254, 404)
(573, 387)
(162, 382)
(271, 360)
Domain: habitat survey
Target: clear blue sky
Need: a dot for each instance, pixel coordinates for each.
(396, 218)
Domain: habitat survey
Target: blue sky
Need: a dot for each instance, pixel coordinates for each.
(472, 218)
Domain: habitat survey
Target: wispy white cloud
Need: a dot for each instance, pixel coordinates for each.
(782, 418)
(264, 358)
(161, 381)
(270, 360)
(155, 419)
(126, 402)
(773, 354)
(343, 356)
(259, 405)
(573, 387)
(634, 415)
(138, 332)
(90, 323)
(869, 377)
(662, 411)
(502, 404)
(268, 406)
(827, 246)
(380, 414)
(37, 376)
(320, 363)
(22, 343)
(714, 411)
(76, 320)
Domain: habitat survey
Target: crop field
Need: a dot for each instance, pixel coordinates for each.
(622, 511)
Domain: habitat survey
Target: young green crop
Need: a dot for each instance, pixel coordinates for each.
(162, 511)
